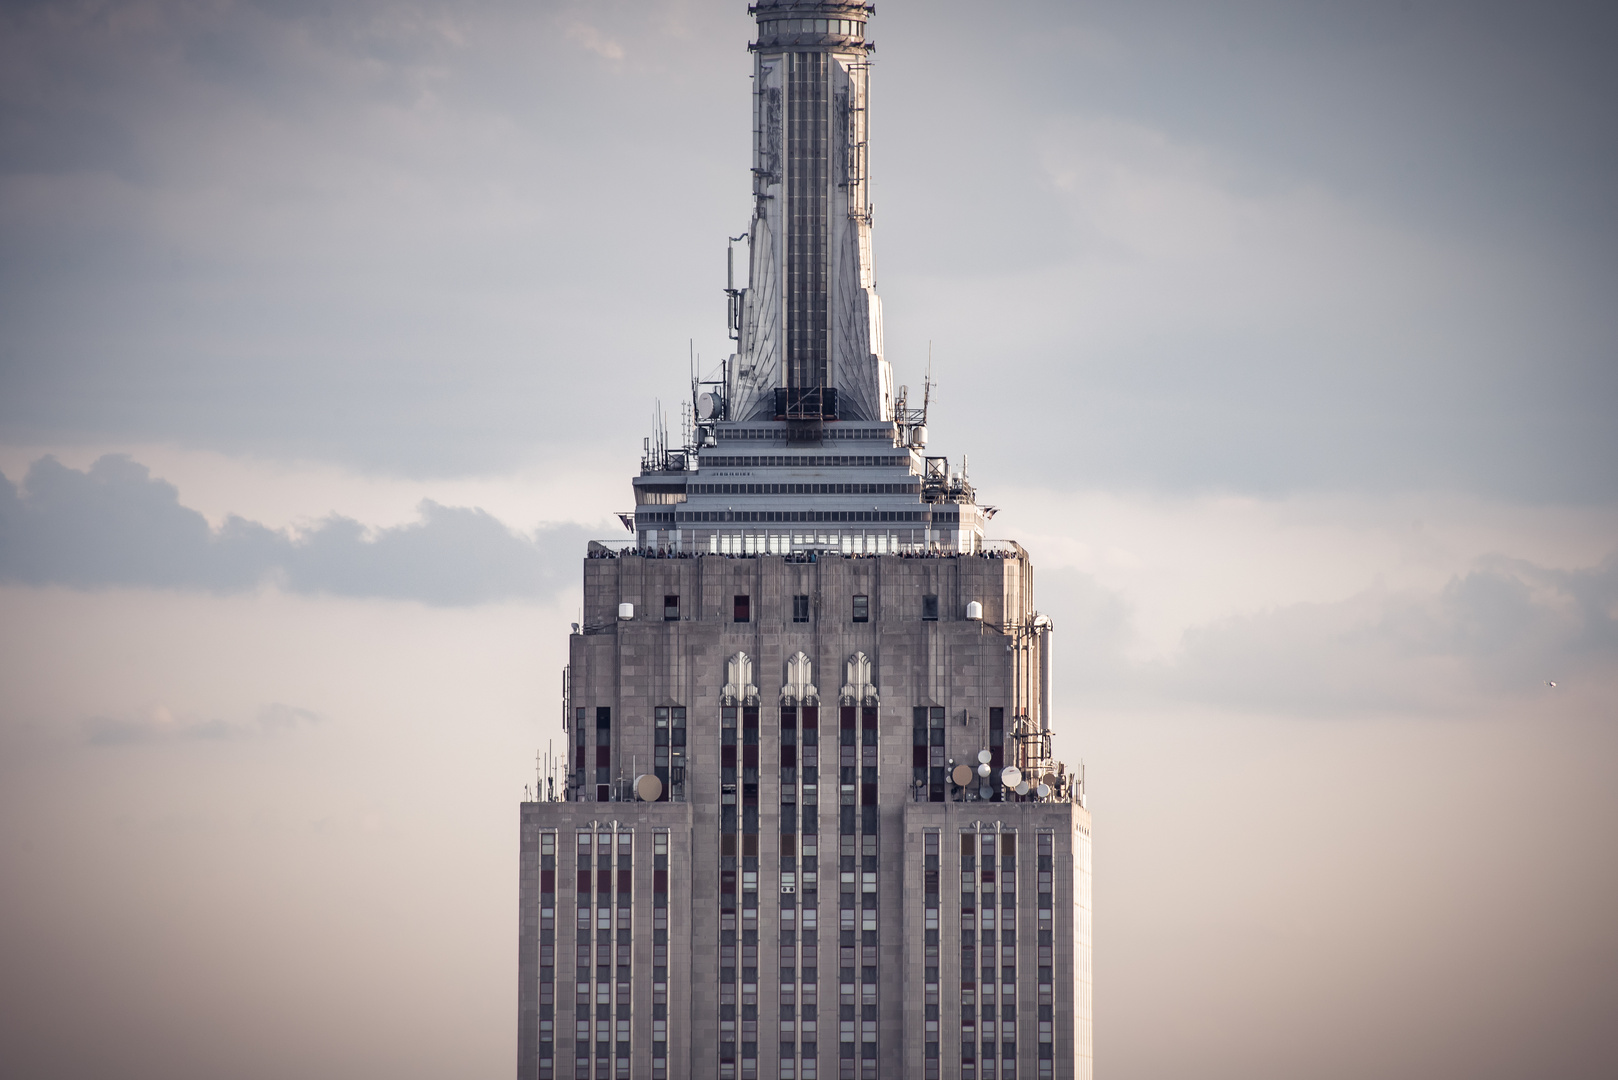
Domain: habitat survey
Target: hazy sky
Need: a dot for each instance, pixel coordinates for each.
(1282, 333)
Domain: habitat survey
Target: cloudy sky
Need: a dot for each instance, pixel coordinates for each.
(1283, 334)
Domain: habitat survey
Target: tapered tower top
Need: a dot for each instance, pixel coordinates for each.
(808, 325)
(804, 444)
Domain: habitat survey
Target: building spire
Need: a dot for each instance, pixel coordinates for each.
(809, 324)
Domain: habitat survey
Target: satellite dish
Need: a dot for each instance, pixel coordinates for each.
(983, 769)
(985, 791)
(648, 787)
(1043, 791)
(709, 405)
(962, 775)
(1011, 776)
(984, 756)
(1049, 780)
(1022, 788)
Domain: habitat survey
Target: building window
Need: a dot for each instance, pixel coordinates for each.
(742, 611)
(668, 749)
(862, 609)
(603, 764)
(671, 609)
(677, 750)
(579, 742)
(929, 608)
(800, 609)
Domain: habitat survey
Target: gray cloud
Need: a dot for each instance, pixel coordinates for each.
(1496, 634)
(392, 235)
(1490, 637)
(1350, 220)
(116, 525)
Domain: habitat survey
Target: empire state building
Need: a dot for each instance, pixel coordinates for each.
(810, 824)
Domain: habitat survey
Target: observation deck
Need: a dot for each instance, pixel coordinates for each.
(757, 489)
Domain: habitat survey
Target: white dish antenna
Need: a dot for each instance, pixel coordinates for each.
(985, 757)
(1011, 776)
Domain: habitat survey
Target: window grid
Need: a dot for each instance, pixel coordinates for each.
(602, 991)
(858, 941)
(547, 955)
(988, 932)
(738, 891)
(1046, 946)
(660, 954)
(799, 850)
(930, 946)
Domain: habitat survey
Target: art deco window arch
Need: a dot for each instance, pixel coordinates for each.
(799, 689)
(739, 686)
(859, 689)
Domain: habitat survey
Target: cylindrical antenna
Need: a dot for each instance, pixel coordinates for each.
(1044, 673)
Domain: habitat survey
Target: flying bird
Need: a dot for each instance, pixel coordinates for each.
(1550, 684)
